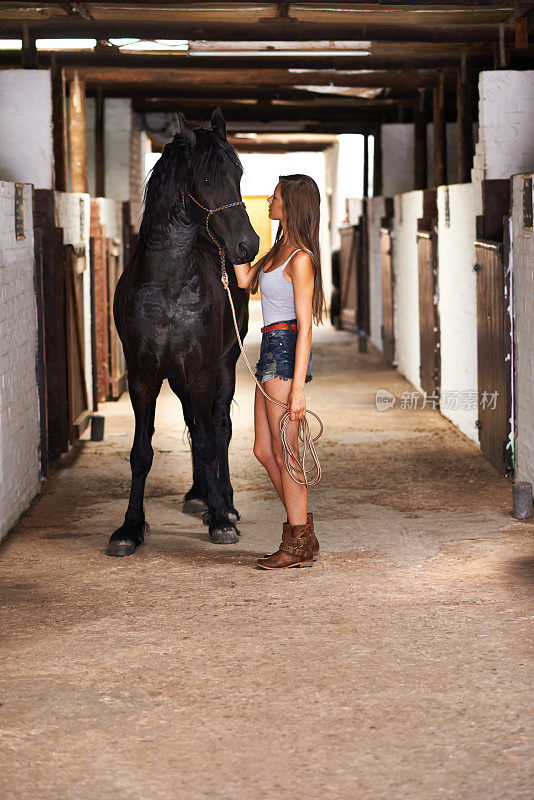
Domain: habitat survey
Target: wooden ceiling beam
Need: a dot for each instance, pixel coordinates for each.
(302, 106)
(78, 27)
(275, 78)
(205, 93)
(266, 112)
(112, 57)
(249, 146)
(379, 4)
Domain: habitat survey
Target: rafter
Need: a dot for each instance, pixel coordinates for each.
(254, 32)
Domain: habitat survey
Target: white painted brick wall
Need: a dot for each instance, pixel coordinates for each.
(73, 214)
(457, 300)
(375, 211)
(408, 208)
(117, 140)
(124, 153)
(397, 158)
(111, 217)
(451, 132)
(19, 402)
(138, 141)
(506, 124)
(523, 289)
(26, 146)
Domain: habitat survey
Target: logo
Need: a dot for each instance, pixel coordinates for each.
(384, 399)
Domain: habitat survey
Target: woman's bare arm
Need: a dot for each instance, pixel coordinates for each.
(244, 274)
(300, 270)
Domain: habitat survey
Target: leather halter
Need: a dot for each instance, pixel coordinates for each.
(210, 211)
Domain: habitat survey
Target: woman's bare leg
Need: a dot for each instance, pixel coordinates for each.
(295, 495)
(263, 449)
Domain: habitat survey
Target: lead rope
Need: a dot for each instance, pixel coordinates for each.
(304, 434)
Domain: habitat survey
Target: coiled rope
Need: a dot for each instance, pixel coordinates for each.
(295, 466)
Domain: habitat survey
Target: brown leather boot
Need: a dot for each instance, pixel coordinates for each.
(314, 541)
(295, 550)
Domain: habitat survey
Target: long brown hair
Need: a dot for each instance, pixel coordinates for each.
(301, 199)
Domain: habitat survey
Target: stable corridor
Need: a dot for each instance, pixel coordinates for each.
(395, 668)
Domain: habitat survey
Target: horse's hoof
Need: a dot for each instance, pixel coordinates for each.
(194, 506)
(225, 535)
(121, 547)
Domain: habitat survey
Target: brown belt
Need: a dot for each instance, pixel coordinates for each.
(279, 326)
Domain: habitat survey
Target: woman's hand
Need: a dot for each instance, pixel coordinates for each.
(297, 404)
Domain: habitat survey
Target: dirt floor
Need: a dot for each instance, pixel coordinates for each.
(398, 667)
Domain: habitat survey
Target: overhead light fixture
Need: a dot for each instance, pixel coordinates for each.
(339, 72)
(151, 44)
(65, 44)
(10, 44)
(346, 91)
(324, 47)
(279, 53)
(276, 47)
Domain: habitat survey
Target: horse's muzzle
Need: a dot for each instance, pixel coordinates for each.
(247, 249)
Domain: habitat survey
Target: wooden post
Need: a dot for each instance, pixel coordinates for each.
(78, 141)
(365, 165)
(440, 137)
(420, 155)
(99, 146)
(377, 163)
(464, 116)
(28, 55)
(59, 127)
(521, 33)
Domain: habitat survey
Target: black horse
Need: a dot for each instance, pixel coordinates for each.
(174, 320)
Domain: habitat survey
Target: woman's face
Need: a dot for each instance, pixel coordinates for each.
(276, 207)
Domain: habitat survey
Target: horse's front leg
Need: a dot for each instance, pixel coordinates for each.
(222, 529)
(222, 429)
(131, 534)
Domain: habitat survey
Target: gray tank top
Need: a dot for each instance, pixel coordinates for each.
(277, 295)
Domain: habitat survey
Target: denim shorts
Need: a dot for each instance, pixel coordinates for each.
(277, 356)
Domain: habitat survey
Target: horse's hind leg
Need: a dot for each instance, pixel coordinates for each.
(131, 534)
(222, 529)
(196, 499)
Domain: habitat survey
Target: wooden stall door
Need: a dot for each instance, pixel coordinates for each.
(428, 313)
(100, 324)
(362, 284)
(53, 267)
(348, 276)
(493, 355)
(117, 364)
(79, 414)
(41, 352)
(388, 280)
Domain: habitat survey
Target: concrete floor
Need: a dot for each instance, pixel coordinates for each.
(398, 667)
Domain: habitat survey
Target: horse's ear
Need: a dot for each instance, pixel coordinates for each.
(218, 123)
(184, 131)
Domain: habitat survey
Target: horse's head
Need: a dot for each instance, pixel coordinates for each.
(213, 179)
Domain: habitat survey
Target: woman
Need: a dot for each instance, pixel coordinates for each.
(289, 277)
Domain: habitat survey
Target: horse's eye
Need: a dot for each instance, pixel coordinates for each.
(206, 181)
